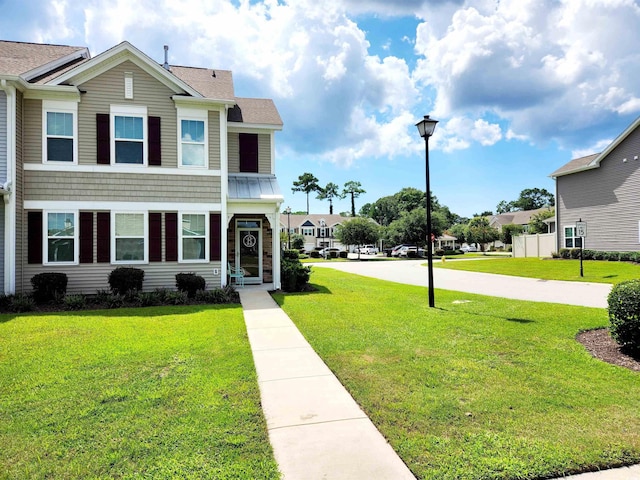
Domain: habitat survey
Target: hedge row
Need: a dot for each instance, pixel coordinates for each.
(587, 254)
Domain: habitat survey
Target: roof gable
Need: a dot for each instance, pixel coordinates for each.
(115, 56)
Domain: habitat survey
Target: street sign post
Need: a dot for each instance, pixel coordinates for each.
(581, 231)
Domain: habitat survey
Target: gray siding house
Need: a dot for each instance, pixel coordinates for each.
(603, 191)
(117, 160)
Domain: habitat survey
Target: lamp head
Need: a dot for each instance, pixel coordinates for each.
(426, 126)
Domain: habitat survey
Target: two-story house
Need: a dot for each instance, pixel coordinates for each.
(117, 160)
(317, 229)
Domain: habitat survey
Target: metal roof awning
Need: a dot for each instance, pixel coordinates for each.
(262, 188)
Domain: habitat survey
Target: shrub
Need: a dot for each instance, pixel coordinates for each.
(624, 314)
(565, 253)
(439, 252)
(49, 286)
(555, 255)
(599, 256)
(75, 302)
(149, 299)
(189, 283)
(21, 303)
(612, 256)
(114, 301)
(314, 254)
(588, 254)
(123, 280)
(176, 298)
(291, 254)
(295, 276)
(626, 256)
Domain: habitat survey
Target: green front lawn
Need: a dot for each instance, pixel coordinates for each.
(479, 387)
(551, 269)
(162, 392)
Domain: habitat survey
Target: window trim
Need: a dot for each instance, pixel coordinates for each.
(46, 237)
(57, 106)
(181, 258)
(145, 223)
(198, 116)
(573, 237)
(129, 111)
(308, 231)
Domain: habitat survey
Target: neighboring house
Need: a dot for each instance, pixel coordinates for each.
(602, 190)
(117, 160)
(317, 229)
(446, 241)
(520, 217)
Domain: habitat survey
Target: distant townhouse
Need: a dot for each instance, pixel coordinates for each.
(117, 160)
(602, 190)
(317, 229)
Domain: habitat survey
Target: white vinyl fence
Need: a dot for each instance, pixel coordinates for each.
(539, 245)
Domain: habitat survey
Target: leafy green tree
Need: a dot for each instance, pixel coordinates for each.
(357, 231)
(486, 213)
(505, 207)
(306, 183)
(459, 230)
(329, 193)
(479, 231)
(508, 232)
(352, 189)
(297, 241)
(537, 225)
(411, 227)
(410, 198)
(533, 198)
(384, 210)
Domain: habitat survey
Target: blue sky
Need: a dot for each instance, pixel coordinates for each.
(519, 87)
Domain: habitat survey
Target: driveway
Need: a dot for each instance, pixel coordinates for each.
(412, 272)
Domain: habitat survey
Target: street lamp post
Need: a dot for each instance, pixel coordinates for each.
(288, 212)
(426, 128)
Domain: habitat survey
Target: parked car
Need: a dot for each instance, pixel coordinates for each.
(469, 248)
(408, 251)
(369, 250)
(329, 252)
(395, 250)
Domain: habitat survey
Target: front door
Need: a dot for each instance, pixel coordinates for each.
(249, 249)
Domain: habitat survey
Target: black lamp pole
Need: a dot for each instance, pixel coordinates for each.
(426, 128)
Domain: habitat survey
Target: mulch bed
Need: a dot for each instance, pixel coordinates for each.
(600, 344)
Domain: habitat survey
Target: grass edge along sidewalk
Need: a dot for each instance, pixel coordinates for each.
(158, 392)
(480, 387)
(595, 271)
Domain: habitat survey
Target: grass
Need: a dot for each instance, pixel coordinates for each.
(479, 387)
(161, 392)
(547, 269)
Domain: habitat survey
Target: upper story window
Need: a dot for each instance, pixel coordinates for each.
(129, 139)
(61, 243)
(192, 141)
(248, 150)
(307, 231)
(60, 131)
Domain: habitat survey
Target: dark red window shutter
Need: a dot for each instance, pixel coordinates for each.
(155, 156)
(103, 139)
(171, 237)
(34, 237)
(86, 237)
(103, 241)
(248, 152)
(155, 237)
(215, 237)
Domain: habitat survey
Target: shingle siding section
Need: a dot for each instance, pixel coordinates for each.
(607, 198)
(87, 186)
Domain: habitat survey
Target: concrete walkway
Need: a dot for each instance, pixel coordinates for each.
(316, 429)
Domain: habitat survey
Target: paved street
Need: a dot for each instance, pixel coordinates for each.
(413, 272)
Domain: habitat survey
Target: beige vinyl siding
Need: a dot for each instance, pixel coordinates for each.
(21, 234)
(264, 153)
(89, 278)
(606, 198)
(108, 89)
(87, 186)
(33, 131)
(214, 140)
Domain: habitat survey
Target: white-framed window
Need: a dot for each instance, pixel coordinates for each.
(307, 231)
(59, 132)
(129, 237)
(129, 136)
(194, 242)
(61, 239)
(193, 145)
(571, 240)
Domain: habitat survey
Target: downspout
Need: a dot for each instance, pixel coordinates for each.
(10, 198)
(224, 196)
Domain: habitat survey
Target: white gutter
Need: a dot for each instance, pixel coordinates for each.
(9, 197)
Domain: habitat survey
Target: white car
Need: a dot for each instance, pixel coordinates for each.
(329, 252)
(408, 251)
(469, 248)
(369, 250)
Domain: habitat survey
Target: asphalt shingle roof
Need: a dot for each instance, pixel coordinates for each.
(575, 164)
(18, 58)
